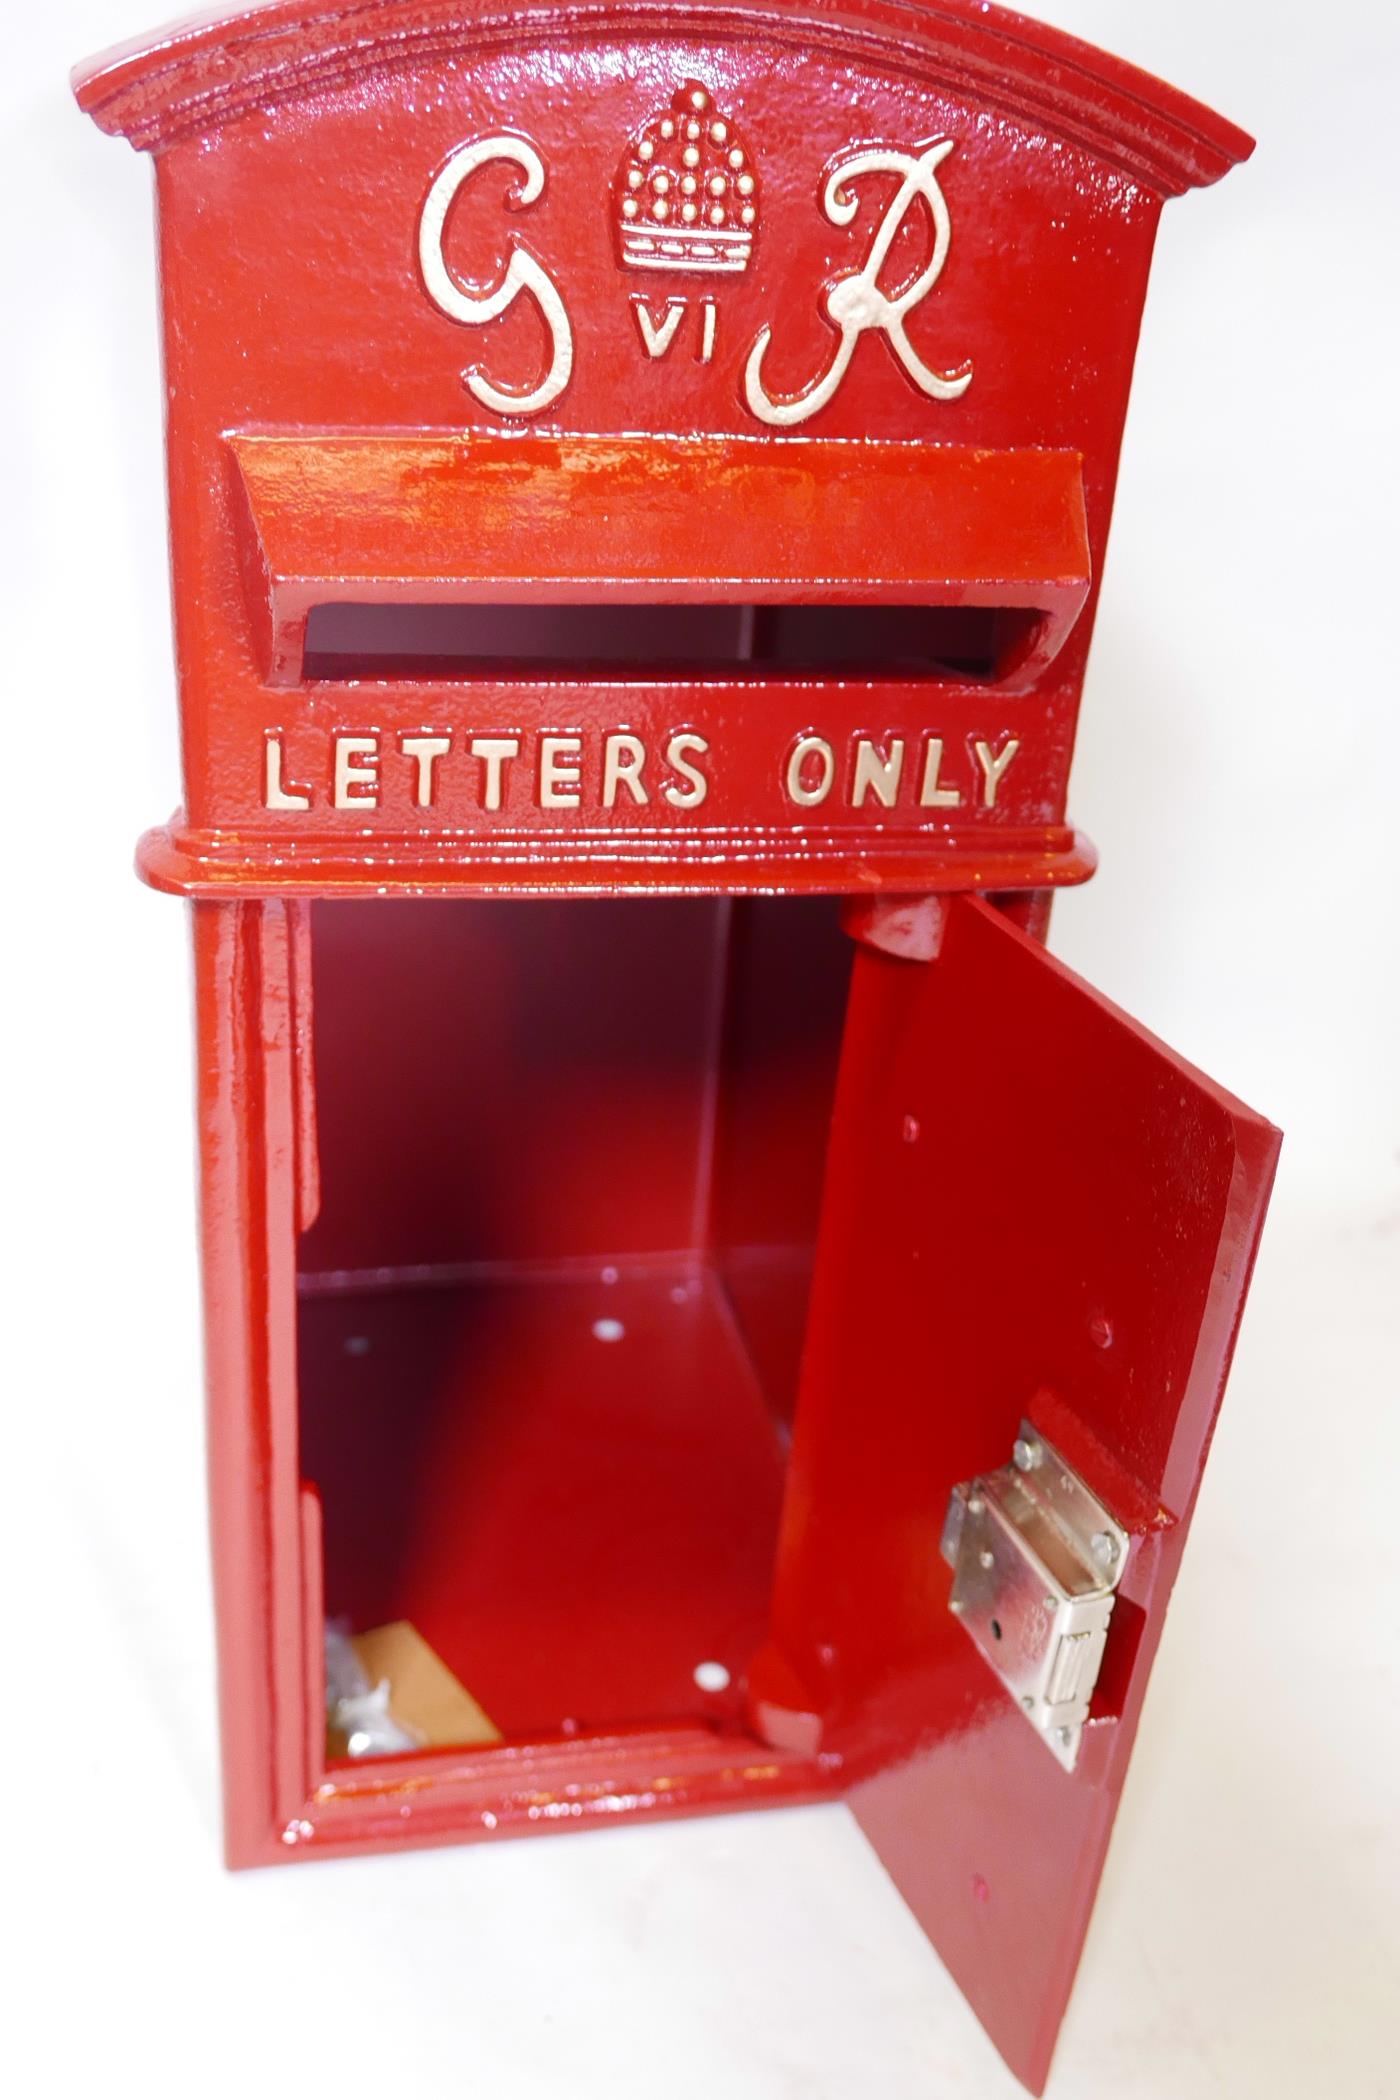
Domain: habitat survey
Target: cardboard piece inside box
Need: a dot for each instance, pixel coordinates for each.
(424, 1696)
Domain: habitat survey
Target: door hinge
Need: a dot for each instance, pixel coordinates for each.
(1036, 1559)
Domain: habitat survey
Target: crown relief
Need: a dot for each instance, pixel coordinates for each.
(686, 195)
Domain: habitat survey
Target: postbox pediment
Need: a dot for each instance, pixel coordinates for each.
(754, 308)
(879, 221)
(213, 68)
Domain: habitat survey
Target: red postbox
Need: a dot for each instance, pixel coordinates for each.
(703, 1309)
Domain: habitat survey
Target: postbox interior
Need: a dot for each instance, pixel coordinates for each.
(552, 1309)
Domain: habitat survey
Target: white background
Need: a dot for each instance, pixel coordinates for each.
(1238, 767)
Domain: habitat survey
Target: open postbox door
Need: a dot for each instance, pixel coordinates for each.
(702, 1312)
(1037, 1235)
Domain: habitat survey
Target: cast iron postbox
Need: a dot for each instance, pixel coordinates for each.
(704, 1310)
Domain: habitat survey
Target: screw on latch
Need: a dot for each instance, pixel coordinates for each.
(1104, 1547)
(1027, 1451)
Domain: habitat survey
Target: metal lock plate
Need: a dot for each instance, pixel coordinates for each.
(1036, 1559)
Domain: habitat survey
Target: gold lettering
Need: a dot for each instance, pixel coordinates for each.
(275, 795)
(677, 757)
(356, 786)
(810, 747)
(623, 759)
(522, 273)
(931, 795)
(994, 765)
(494, 752)
(857, 303)
(659, 335)
(559, 764)
(425, 751)
(876, 772)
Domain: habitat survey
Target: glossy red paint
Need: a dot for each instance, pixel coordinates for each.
(611, 1263)
(1026, 1196)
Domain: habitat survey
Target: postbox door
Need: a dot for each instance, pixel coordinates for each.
(1034, 1213)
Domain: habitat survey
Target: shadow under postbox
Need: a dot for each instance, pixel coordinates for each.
(702, 1311)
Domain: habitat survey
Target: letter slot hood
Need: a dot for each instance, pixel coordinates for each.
(442, 519)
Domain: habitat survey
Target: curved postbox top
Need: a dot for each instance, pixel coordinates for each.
(663, 446)
(201, 73)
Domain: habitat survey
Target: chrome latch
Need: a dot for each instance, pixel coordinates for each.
(1036, 1559)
